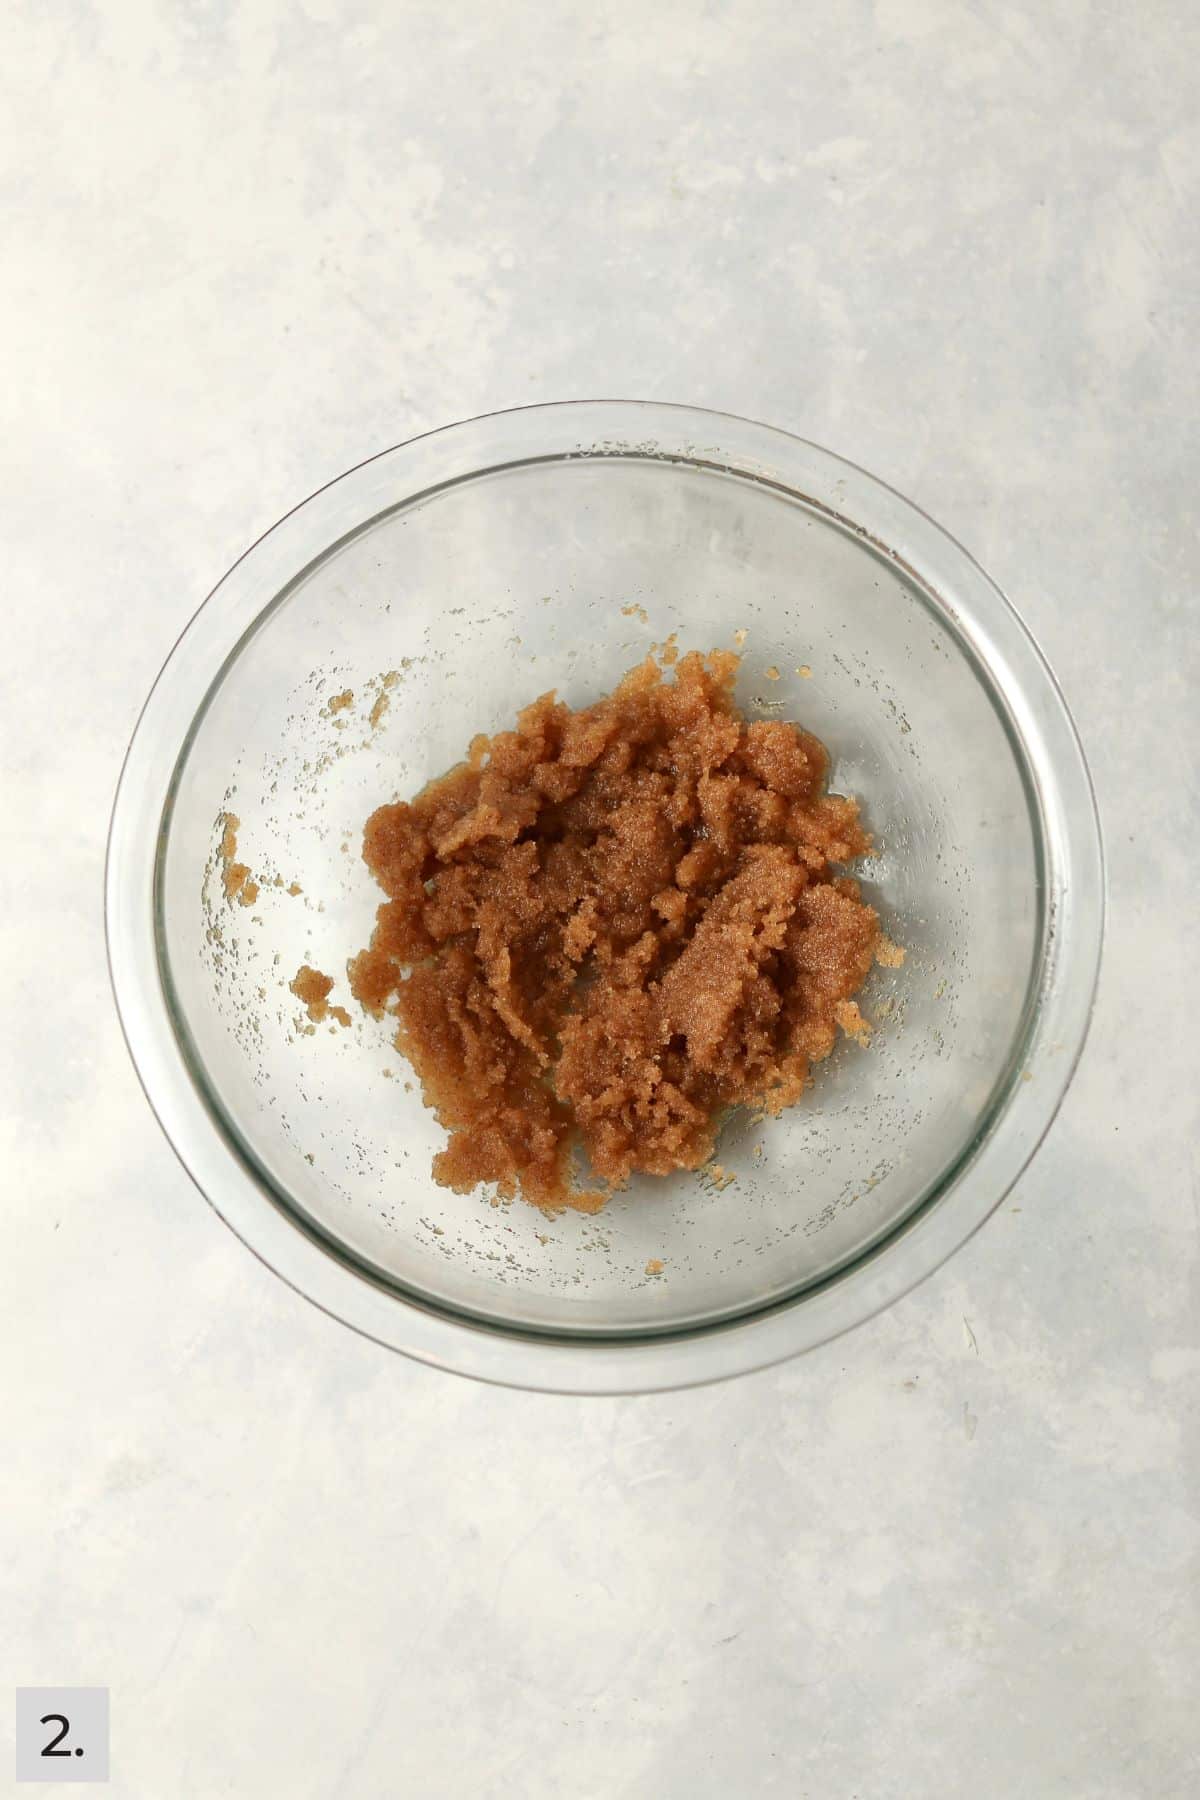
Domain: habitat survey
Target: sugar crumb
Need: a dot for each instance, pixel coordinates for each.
(852, 1022)
(238, 883)
(313, 988)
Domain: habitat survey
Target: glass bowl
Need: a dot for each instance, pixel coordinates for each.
(443, 585)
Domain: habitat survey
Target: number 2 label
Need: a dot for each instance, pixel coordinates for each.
(62, 1735)
(64, 1725)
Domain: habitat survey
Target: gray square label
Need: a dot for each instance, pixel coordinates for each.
(62, 1734)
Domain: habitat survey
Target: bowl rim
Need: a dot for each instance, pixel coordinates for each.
(1063, 809)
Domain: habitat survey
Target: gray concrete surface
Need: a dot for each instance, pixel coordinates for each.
(249, 244)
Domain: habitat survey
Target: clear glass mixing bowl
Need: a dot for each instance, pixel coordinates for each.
(446, 583)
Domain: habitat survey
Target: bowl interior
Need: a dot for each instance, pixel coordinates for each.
(442, 616)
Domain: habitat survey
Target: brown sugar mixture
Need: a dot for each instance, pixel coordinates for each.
(313, 989)
(606, 928)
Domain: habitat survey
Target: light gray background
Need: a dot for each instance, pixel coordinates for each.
(246, 246)
(72, 1754)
